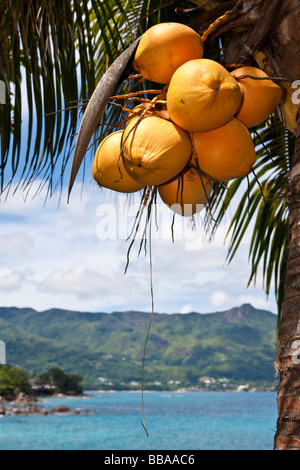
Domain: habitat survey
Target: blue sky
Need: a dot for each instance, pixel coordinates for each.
(73, 256)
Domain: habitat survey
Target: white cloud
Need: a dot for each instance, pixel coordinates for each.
(15, 243)
(78, 280)
(218, 299)
(11, 280)
(55, 257)
(86, 283)
(188, 308)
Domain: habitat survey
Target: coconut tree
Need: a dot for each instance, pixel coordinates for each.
(268, 38)
(73, 56)
(52, 54)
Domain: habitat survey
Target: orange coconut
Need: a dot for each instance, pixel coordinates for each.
(163, 48)
(202, 95)
(108, 169)
(158, 111)
(187, 193)
(225, 153)
(259, 97)
(155, 150)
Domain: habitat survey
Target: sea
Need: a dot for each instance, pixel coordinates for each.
(173, 421)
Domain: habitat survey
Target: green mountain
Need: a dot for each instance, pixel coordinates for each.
(212, 350)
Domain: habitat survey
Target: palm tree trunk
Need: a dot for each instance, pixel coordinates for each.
(288, 350)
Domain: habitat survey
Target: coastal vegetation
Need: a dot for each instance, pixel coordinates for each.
(219, 351)
(15, 381)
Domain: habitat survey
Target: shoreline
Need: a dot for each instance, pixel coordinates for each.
(89, 393)
(29, 405)
(184, 390)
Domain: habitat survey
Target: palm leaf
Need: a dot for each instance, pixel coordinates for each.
(95, 109)
(114, 33)
(263, 207)
(52, 56)
(55, 51)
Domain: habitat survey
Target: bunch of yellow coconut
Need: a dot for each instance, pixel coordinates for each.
(200, 136)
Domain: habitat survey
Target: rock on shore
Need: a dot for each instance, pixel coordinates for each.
(24, 405)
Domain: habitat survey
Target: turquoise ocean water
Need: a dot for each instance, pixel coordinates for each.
(175, 421)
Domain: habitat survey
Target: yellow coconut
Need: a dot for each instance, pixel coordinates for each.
(187, 193)
(108, 169)
(158, 111)
(260, 98)
(225, 153)
(163, 48)
(155, 150)
(202, 95)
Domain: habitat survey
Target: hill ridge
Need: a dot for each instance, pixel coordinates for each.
(237, 344)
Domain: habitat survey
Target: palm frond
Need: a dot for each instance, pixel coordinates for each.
(262, 209)
(52, 54)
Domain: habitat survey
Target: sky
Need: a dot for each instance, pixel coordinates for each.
(73, 256)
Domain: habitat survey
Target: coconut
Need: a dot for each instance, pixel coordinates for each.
(187, 193)
(165, 47)
(225, 153)
(155, 150)
(108, 169)
(260, 98)
(202, 96)
(153, 111)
